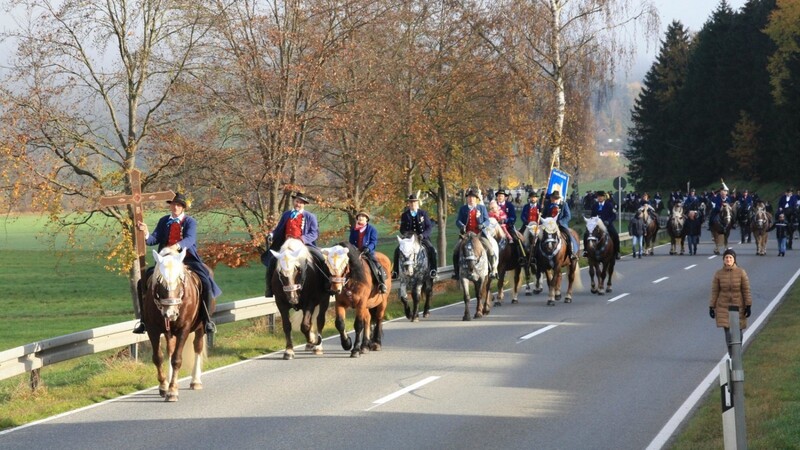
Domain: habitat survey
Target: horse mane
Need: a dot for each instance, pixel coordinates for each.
(357, 272)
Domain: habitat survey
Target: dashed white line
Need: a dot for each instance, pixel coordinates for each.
(405, 390)
(536, 333)
(660, 280)
(712, 256)
(689, 267)
(619, 297)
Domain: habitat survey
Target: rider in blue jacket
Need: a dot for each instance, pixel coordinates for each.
(604, 209)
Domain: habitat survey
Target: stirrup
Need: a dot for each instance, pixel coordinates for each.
(139, 328)
(211, 327)
(383, 288)
(394, 275)
(433, 273)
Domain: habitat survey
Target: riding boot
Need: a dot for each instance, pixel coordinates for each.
(140, 328)
(433, 257)
(395, 263)
(205, 308)
(377, 271)
(455, 263)
(270, 273)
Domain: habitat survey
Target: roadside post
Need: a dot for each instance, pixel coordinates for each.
(619, 184)
(731, 384)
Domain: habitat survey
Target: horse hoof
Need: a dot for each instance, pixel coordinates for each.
(594, 291)
(608, 291)
(415, 319)
(681, 253)
(355, 354)
(568, 300)
(375, 347)
(558, 297)
(288, 356)
(364, 350)
(309, 347)
(347, 344)
(318, 350)
(528, 293)
(498, 304)
(171, 397)
(537, 291)
(162, 393)
(466, 318)
(196, 386)
(478, 315)
(514, 301)
(551, 303)
(426, 315)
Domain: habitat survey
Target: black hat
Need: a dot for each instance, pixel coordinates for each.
(472, 193)
(600, 193)
(300, 196)
(532, 194)
(179, 199)
(501, 191)
(555, 195)
(412, 198)
(729, 251)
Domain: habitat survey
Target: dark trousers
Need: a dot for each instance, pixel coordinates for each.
(612, 230)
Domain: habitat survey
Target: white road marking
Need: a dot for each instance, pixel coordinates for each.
(660, 280)
(619, 297)
(689, 267)
(405, 390)
(536, 333)
(712, 256)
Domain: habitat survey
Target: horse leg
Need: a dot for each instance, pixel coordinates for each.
(415, 294)
(538, 287)
(158, 361)
(591, 277)
(557, 284)
(377, 334)
(320, 323)
(550, 277)
(517, 284)
(501, 281)
(683, 244)
(527, 269)
(199, 345)
(610, 273)
(358, 324)
(427, 291)
(481, 288)
(465, 292)
(601, 279)
(366, 319)
(341, 311)
(404, 300)
(175, 350)
(573, 269)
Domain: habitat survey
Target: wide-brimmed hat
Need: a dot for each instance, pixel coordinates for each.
(363, 213)
(412, 198)
(179, 199)
(300, 196)
(501, 191)
(600, 194)
(555, 195)
(472, 193)
(532, 194)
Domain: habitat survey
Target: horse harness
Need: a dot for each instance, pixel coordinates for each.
(598, 252)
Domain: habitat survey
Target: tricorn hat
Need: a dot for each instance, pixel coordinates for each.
(179, 199)
(363, 213)
(300, 196)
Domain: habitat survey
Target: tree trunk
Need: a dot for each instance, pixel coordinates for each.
(441, 217)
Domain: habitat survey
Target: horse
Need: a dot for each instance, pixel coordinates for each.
(721, 228)
(600, 253)
(473, 264)
(171, 307)
(676, 230)
(352, 283)
(761, 223)
(299, 284)
(529, 239)
(551, 257)
(651, 227)
(414, 275)
(743, 215)
(506, 261)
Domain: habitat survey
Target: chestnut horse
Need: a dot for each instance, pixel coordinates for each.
(352, 283)
(299, 283)
(676, 230)
(551, 257)
(473, 264)
(171, 307)
(600, 253)
(651, 227)
(721, 228)
(760, 224)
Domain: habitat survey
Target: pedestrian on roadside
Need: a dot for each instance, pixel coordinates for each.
(730, 287)
(780, 227)
(637, 231)
(694, 226)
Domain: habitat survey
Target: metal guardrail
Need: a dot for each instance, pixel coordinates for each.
(30, 357)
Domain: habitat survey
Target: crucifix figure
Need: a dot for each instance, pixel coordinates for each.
(135, 200)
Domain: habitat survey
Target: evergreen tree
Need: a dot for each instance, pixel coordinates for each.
(652, 137)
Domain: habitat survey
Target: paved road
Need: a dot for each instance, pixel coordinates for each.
(602, 373)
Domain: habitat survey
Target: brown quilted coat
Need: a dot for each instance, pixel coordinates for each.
(730, 287)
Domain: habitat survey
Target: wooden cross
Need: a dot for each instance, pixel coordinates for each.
(135, 199)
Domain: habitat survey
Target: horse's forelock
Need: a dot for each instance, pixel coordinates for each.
(407, 245)
(337, 258)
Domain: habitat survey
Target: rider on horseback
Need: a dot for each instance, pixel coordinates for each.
(364, 237)
(417, 221)
(559, 210)
(717, 202)
(296, 223)
(530, 212)
(604, 209)
(692, 202)
(473, 217)
(511, 213)
(179, 231)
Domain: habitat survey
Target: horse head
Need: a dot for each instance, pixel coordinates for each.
(596, 234)
(676, 222)
(549, 236)
(726, 214)
(410, 254)
(337, 259)
(293, 259)
(472, 252)
(531, 234)
(677, 210)
(167, 282)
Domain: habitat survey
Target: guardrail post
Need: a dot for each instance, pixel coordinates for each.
(135, 351)
(731, 377)
(36, 378)
(271, 323)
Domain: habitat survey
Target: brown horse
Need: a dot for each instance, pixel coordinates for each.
(721, 228)
(760, 224)
(551, 257)
(676, 230)
(651, 227)
(473, 261)
(529, 239)
(507, 261)
(354, 287)
(299, 284)
(600, 253)
(171, 307)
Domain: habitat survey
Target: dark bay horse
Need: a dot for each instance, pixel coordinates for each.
(676, 230)
(760, 224)
(473, 264)
(721, 228)
(529, 239)
(743, 215)
(299, 283)
(352, 283)
(171, 307)
(651, 227)
(414, 276)
(600, 253)
(551, 257)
